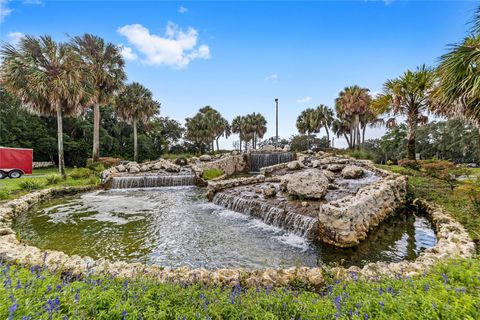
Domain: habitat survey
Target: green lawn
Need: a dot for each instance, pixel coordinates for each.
(14, 188)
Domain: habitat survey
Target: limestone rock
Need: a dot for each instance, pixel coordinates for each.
(205, 157)
(352, 172)
(286, 148)
(335, 167)
(329, 174)
(268, 147)
(294, 165)
(307, 184)
(134, 169)
(270, 191)
(144, 168)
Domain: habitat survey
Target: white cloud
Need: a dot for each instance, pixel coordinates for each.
(388, 2)
(4, 10)
(182, 9)
(15, 37)
(127, 53)
(176, 48)
(304, 99)
(271, 77)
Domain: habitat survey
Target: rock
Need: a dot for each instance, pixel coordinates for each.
(258, 191)
(205, 157)
(134, 169)
(268, 147)
(286, 148)
(234, 152)
(307, 184)
(270, 191)
(144, 168)
(329, 174)
(316, 164)
(352, 172)
(304, 204)
(181, 161)
(294, 165)
(335, 167)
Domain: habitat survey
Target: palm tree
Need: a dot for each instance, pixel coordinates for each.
(408, 95)
(238, 126)
(351, 104)
(324, 118)
(306, 123)
(341, 127)
(49, 78)
(255, 127)
(105, 64)
(135, 104)
(222, 128)
(458, 93)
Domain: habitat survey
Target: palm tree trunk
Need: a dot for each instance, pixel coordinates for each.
(348, 140)
(357, 130)
(363, 133)
(218, 149)
(135, 145)
(240, 145)
(328, 136)
(478, 147)
(96, 132)
(61, 159)
(412, 120)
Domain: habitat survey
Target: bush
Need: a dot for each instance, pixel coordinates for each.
(443, 170)
(212, 174)
(4, 194)
(410, 164)
(96, 167)
(93, 180)
(80, 173)
(53, 179)
(389, 162)
(29, 184)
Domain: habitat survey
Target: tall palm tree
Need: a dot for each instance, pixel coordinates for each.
(409, 95)
(351, 104)
(222, 128)
(49, 78)
(325, 119)
(308, 123)
(341, 127)
(105, 64)
(238, 126)
(255, 127)
(458, 93)
(135, 104)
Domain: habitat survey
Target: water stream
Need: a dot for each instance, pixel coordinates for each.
(260, 160)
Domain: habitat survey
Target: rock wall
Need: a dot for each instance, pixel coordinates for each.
(453, 241)
(346, 222)
(230, 164)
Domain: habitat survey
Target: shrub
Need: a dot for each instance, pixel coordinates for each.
(410, 164)
(80, 173)
(443, 170)
(4, 194)
(389, 162)
(53, 179)
(212, 174)
(96, 167)
(93, 180)
(29, 184)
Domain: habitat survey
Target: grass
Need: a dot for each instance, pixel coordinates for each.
(451, 291)
(41, 179)
(212, 174)
(457, 202)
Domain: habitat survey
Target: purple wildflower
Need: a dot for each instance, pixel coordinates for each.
(12, 310)
(381, 304)
(445, 278)
(124, 314)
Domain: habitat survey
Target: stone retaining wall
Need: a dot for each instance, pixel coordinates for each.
(453, 241)
(229, 164)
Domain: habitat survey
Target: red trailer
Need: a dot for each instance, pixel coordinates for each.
(15, 162)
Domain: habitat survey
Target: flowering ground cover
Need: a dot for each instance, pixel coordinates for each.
(450, 291)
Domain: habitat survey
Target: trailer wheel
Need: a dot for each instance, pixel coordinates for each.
(15, 174)
(3, 174)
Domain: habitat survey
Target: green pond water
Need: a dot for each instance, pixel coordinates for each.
(178, 227)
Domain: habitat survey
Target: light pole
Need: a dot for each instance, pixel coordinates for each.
(276, 122)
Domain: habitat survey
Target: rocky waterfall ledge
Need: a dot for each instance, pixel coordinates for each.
(453, 241)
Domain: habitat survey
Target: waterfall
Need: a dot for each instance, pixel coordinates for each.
(152, 181)
(260, 160)
(298, 224)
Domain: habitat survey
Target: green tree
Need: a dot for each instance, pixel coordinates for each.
(408, 95)
(105, 65)
(135, 104)
(49, 78)
(255, 127)
(239, 126)
(351, 104)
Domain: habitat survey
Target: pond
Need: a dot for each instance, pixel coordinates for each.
(176, 226)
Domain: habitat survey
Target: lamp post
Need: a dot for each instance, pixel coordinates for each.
(276, 122)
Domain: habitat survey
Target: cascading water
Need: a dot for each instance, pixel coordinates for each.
(260, 160)
(298, 224)
(152, 181)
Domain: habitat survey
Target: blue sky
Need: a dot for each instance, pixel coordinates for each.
(239, 56)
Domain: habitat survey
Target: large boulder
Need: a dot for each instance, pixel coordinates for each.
(352, 172)
(307, 184)
(335, 167)
(295, 165)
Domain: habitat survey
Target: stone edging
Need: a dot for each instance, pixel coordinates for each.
(452, 239)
